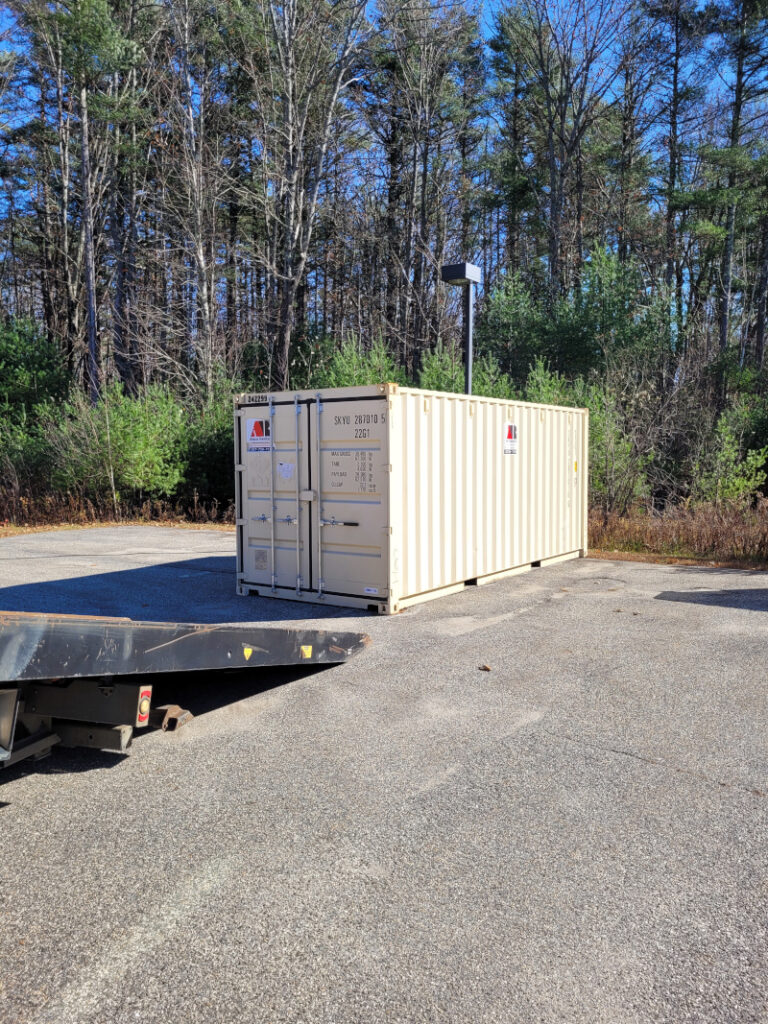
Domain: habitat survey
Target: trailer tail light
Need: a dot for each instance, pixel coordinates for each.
(145, 703)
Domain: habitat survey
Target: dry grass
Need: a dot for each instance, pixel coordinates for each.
(730, 536)
(722, 535)
(12, 530)
(21, 514)
(719, 563)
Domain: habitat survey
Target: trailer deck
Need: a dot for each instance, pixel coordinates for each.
(87, 680)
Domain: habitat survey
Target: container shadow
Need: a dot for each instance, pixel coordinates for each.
(198, 590)
(717, 570)
(754, 600)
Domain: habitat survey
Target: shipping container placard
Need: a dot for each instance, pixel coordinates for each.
(258, 435)
(510, 439)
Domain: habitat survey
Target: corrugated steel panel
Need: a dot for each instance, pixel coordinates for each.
(383, 496)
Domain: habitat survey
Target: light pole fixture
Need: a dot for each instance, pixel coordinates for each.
(467, 275)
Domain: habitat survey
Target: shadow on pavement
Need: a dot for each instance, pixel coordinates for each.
(718, 570)
(198, 692)
(191, 590)
(201, 692)
(754, 600)
(61, 761)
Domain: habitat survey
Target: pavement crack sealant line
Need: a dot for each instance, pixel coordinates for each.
(660, 763)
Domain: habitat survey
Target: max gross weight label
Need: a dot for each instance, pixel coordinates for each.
(351, 470)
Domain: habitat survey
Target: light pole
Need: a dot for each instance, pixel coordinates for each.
(467, 275)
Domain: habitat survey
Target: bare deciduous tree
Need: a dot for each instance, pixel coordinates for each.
(299, 57)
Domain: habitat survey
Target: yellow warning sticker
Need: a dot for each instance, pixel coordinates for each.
(247, 652)
(306, 652)
(575, 467)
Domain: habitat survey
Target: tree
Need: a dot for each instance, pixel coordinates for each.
(742, 27)
(84, 47)
(92, 47)
(565, 55)
(299, 57)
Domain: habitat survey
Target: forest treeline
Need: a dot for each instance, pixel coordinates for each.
(203, 195)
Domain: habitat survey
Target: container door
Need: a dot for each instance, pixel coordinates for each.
(350, 474)
(276, 499)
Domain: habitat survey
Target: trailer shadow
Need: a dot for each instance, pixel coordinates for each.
(183, 590)
(62, 761)
(203, 692)
(198, 692)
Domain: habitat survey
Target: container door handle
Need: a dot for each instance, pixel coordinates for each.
(288, 519)
(318, 432)
(272, 491)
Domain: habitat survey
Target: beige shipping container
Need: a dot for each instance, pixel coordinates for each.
(383, 496)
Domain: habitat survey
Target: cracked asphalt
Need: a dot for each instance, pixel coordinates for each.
(578, 835)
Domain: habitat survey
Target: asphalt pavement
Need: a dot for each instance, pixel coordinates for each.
(577, 835)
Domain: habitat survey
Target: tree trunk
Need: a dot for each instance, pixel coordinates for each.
(674, 112)
(579, 254)
(282, 373)
(93, 362)
(393, 233)
(419, 289)
(761, 297)
(726, 268)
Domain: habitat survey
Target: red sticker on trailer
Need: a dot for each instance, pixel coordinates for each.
(145, 702)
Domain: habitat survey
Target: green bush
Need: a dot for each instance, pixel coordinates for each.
(617, 468)
(311, 358)
(353, 366)
(32, 370)
(209, 450)
(611, 310)
(512, 328)
(730, 472)
(443, 370)
(121, 449)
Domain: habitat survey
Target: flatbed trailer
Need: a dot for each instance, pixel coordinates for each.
(87, 681)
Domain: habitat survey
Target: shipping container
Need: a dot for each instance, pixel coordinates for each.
(383, 496)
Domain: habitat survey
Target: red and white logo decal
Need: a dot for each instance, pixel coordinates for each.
(259, 429)
(510, 439)
(258, 435)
